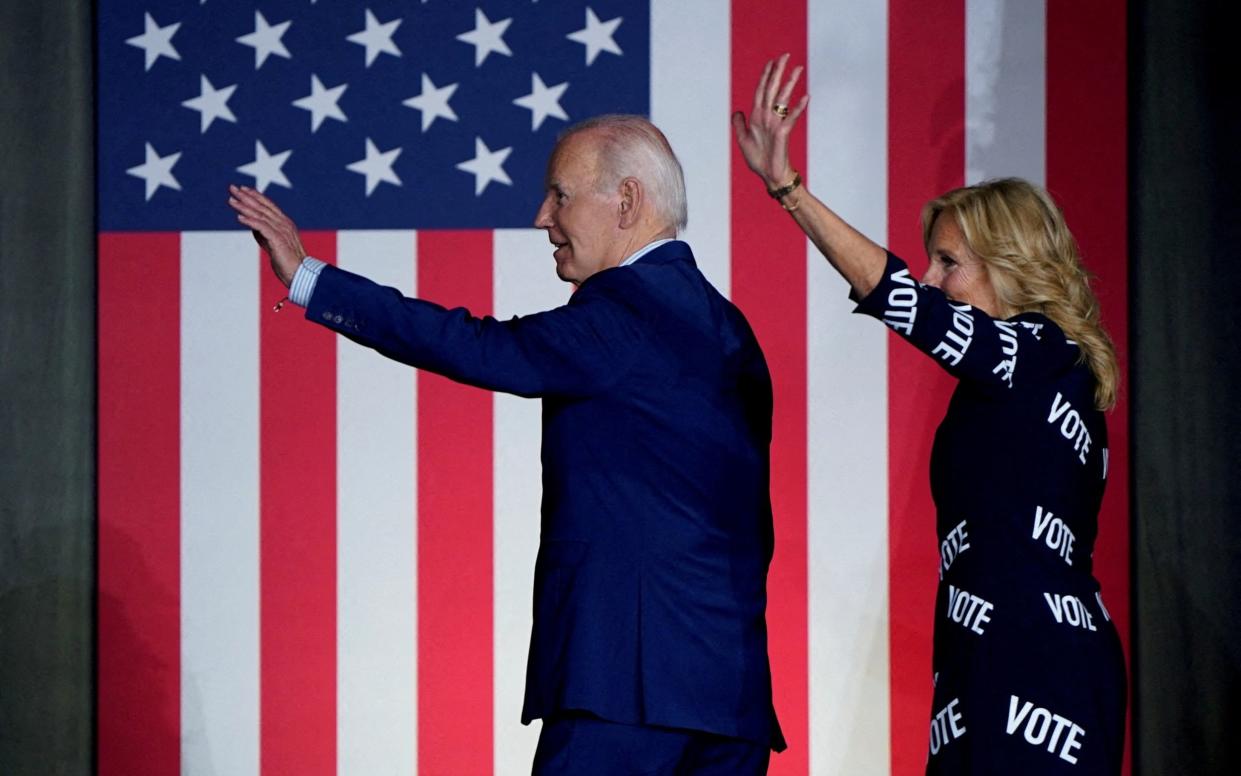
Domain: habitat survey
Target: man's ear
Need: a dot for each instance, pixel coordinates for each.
(630, 202)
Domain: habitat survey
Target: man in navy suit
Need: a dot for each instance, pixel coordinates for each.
(649, 648)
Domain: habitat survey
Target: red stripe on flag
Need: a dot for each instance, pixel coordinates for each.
(1086, 174)
(454, 527)
(297, 540)
(139, 652)
(926, 156)
(769, 285)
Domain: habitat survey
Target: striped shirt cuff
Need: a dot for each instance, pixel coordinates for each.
(303, 285)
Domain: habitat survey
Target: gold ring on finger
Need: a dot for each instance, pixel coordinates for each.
(781, 109)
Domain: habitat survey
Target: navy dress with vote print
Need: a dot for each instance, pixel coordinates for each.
(1029, 674)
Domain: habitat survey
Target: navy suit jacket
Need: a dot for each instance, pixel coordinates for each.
(650, 583)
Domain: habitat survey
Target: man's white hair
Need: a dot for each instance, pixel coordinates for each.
(631, 146)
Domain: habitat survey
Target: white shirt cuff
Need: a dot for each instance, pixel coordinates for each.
(304, 280)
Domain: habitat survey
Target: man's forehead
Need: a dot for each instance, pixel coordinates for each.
(574, 155)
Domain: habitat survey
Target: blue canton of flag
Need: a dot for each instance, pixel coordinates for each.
(381, 114)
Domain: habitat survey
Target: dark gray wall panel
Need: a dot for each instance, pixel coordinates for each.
(47, 387)
(1186, 220)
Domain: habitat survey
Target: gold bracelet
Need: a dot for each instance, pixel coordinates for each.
(784, 191)
(788, 209)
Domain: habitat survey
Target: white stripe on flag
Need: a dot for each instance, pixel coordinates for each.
(690, 103)
(1005, 89)
(219, 504)
(847, 395)
(525, 282)
(376, 545)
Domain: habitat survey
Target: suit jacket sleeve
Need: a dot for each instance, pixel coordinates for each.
(579, 349)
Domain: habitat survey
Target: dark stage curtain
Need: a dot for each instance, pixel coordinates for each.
(1185, 121)
(47, 387)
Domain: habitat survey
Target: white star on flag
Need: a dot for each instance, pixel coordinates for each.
(376, 37)
(265, 169)
(265, 40)
(486, 166)
(377, 166)
(486, 37)
(322, 103)
(155, 41)
(596, 36)
(156, 171)
(211, 103)
(433, 102)
(543, 101)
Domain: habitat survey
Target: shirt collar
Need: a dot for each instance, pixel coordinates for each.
(644, 250)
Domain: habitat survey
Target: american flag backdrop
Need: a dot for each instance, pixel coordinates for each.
(315, 561)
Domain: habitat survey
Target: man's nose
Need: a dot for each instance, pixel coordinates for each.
(543, 218)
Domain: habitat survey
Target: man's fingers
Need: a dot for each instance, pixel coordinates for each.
(257, 226)
(259, 222)
(263, 216)
(255, 219)
(242, 206)
(242, 202)
(257, 202)
(275, 232)
(262, 203)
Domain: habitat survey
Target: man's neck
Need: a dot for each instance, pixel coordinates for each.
(645, 249)
(641, 241)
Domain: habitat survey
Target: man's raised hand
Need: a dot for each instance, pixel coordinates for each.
(275, 232)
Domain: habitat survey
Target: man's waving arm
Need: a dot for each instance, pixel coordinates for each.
(575, 350)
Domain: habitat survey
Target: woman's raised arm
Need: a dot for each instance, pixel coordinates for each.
(764, 142)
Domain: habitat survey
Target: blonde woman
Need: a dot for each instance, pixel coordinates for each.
(1029, 674)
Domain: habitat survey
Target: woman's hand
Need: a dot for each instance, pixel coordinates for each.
(764, 142)
(275, 232)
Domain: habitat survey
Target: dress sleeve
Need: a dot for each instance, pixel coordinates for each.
(967, 342)
(579, 349)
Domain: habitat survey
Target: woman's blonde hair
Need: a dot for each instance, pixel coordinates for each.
(1019, 234)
